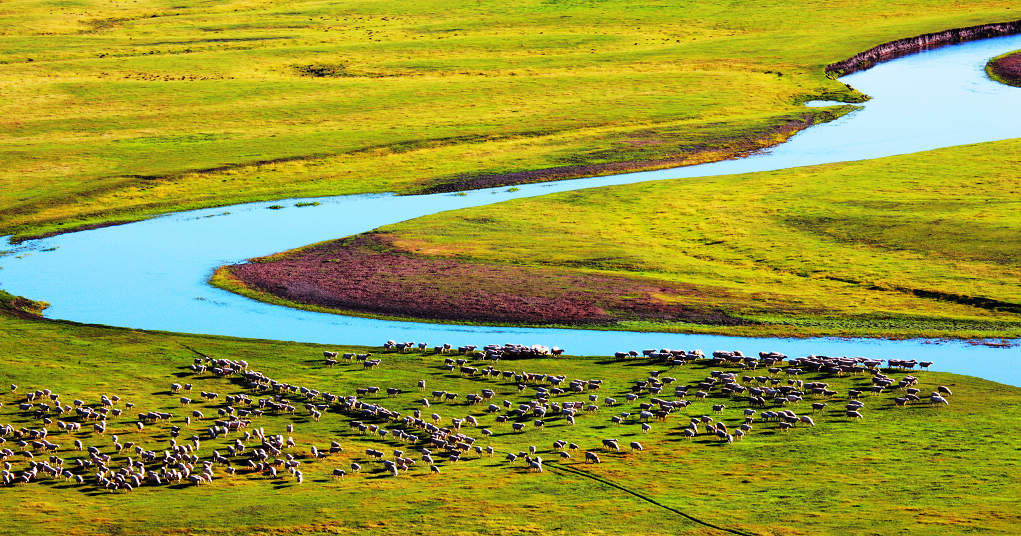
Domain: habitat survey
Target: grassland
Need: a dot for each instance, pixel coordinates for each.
(1006, 68)
(907, 246)
(902, 470)
(115, 111)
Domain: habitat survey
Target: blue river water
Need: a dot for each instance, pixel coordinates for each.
(153, 274)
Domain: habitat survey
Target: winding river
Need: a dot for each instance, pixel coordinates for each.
(153, 274)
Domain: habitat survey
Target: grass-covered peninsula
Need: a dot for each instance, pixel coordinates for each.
(1006, 68)
(906, 246)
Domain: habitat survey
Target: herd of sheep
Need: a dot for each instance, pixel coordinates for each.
(75, 440)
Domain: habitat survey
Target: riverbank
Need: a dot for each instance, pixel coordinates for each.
(664, 153)
(657, 147)
(1006, 69)
(911, 45)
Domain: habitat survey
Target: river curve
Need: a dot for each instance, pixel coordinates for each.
(153, 274)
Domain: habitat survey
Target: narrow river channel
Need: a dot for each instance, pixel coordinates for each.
(153, 274)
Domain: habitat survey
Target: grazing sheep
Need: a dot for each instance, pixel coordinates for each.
(935, 398)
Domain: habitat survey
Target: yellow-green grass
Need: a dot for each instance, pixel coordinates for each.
(121, 111)
(922, 245)
(903, 470)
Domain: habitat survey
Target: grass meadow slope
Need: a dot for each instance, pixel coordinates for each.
(922, 245)
(118, 111)
(911, 470)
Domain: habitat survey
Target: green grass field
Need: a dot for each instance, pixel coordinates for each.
(907, 246)
(120, 111)
(902, 470)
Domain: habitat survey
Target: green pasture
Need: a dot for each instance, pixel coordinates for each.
(908, 470)
(119, 111)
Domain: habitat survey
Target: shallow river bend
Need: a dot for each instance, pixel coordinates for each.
(152, 274)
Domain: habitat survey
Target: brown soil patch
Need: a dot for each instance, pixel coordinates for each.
(367, 274)
(1008, 68)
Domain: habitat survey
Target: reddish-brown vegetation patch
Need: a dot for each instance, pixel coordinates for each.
(1008, 68)
(366, 274)
(20, 307)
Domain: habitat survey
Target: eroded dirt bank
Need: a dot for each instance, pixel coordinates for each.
(367, 274)
(910, 45)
